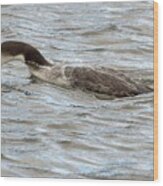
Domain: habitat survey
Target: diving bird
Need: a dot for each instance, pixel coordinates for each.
(86, 78)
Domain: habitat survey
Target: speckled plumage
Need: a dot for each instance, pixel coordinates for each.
(111, 83)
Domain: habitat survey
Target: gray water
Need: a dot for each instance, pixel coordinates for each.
(49, 131)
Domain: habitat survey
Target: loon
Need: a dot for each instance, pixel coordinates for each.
(89, 79)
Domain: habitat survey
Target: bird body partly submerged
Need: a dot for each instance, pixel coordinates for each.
(111, 83)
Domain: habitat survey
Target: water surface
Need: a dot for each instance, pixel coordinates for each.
(49, 131)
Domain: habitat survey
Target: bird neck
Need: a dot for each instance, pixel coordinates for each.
(5, 58)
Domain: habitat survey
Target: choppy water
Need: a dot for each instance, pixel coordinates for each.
(48, 131)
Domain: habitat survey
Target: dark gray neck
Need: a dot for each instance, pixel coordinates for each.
(31, 55)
